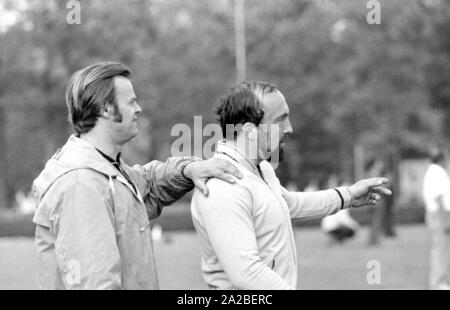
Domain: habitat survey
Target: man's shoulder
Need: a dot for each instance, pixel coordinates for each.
(50, 200)
(222, 193)
(84, 178)
(239, 186)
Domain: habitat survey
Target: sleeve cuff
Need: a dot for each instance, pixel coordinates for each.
(186, 161)
(346, 197)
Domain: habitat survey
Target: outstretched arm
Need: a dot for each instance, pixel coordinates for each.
(313, 205)
(305, 206)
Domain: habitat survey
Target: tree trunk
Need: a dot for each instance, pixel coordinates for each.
(346, 162)
(359, 160)
(3, 159)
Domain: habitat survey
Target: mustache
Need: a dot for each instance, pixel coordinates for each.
(283, 139)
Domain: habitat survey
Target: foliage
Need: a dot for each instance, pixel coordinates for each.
(347, 83)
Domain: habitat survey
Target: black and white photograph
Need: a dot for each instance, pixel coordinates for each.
(203, 145)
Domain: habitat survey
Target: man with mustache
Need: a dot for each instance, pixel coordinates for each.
(245, 231)
(93, 210)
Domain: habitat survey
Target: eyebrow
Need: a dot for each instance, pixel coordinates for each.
(132, 99)
(282, 116)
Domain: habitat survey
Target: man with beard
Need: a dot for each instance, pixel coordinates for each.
(245, 231)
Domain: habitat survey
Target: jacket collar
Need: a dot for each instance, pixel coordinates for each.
(80, 153)
(75, 154)
(264, 170)
(226, 148)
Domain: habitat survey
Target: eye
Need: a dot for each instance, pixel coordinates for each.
(282, 118)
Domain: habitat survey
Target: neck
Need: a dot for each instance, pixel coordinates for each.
(248, 150)
(102, 142)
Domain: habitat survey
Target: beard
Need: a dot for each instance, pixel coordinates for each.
(279, 154)
(117, 115)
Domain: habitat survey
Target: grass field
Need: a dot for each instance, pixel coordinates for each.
(403, 261)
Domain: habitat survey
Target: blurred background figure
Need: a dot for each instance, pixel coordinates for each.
(373, 168)
(436, 194)
(387, 210)
(157, 232)
(312, 186)
(25, 202)
(291, 186)
(340, 226)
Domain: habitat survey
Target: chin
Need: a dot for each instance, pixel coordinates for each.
(133, 136)
(134, 132)
(279, 155)
(130, 137)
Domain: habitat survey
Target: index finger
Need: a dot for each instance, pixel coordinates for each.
(382, 190)
(372, 182)
(229, 168)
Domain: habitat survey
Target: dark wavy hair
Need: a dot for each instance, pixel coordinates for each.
(90, 90)
(242, 104)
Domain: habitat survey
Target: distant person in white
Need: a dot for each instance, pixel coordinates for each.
(245, 230)
(436, 194)
(340, 226)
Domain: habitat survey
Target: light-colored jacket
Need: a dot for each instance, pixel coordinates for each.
(93, 229)
(245, 231)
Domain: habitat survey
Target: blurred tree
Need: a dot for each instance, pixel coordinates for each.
(3, 154)
(437, 14)
(349, 83)
(382, 87)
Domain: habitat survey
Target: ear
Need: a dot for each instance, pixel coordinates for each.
(105, 112)
(250, 131)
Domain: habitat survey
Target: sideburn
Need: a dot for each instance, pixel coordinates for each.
(117, 116)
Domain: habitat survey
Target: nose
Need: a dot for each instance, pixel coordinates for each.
(138, 108)
(288, 129)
